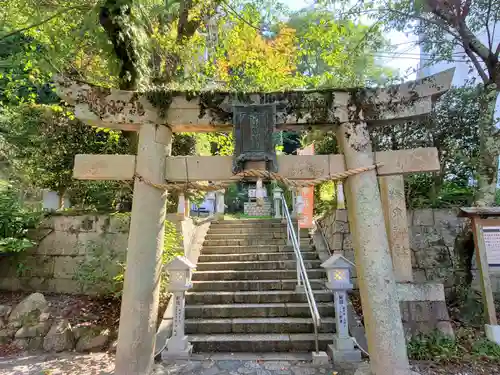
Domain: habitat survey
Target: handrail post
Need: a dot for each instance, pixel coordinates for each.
(303, 284)
(288, 231)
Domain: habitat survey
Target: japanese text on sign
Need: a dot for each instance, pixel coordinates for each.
(491, 236)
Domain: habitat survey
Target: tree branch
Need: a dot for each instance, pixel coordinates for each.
(439, 23)
(186, 27)
(55, 15)
(476, 63)
(237, 15)
(487, 24)
(465, 36)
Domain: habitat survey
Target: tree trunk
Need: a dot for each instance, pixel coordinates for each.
(61, 202)
(115, 17)
(488, 148)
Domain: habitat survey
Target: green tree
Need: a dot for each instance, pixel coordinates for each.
(40, 143)
(453, 129)
(329, 52)
(450, 31)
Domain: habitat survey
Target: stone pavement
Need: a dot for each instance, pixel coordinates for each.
(239, 364)
(103, 364)
(242, 367)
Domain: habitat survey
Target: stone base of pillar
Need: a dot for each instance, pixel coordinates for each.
(178, 354)
(342, 351)
(219, 216)
(320, 358)
(493, 333)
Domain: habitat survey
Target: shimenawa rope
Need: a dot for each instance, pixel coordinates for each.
(256, 173)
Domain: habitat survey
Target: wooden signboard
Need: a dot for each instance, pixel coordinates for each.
(486, 230)
(491, 237)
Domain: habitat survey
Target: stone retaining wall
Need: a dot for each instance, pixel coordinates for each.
(432, 240)
(65, 242)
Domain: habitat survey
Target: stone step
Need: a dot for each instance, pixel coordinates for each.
(251, 225)
(251, 241)
(244, 230)
(257, 325)
(242, 257)
(255, 274)
(263, 234)
(255, 265)
(248, 221)
(252, 285)
(257, 310)
(250, 249)
(270, 296)
(259, 343)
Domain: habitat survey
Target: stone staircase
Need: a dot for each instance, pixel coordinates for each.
(243, 297)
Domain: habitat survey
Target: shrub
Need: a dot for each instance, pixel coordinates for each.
(434, 346)
(103, 269)
(469, 344)
(15, 220)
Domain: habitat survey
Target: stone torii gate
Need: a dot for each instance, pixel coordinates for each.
(155, 115)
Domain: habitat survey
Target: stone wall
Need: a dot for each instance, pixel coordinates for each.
(64, 243)
(69, 245)
(253, 209)
(432, 240)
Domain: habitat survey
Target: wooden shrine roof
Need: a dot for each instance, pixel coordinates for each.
(212, 110)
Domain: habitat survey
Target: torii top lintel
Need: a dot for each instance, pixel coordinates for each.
(213, 111)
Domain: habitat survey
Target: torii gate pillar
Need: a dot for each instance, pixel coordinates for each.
(136, 337)
(377, 285)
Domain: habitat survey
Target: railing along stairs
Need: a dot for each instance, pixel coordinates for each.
(302, 278)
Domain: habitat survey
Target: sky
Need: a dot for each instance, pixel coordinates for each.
(404, 59)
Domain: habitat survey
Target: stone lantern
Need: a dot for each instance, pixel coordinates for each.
(338, 271)
(180, 270)
(277, 193)
(220, 204)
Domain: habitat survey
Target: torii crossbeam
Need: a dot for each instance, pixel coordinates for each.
(155, 115)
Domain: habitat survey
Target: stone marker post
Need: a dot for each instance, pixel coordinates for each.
(339, 186)
(220, 209)
(139, 308)
(377, 285)
(294, 197)
(187, 207)
(210, 197)
(181, 205)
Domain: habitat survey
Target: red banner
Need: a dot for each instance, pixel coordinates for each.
(307, 193)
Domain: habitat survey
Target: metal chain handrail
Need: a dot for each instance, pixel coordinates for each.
(257, 173)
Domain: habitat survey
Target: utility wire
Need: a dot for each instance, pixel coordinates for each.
(237, 15)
